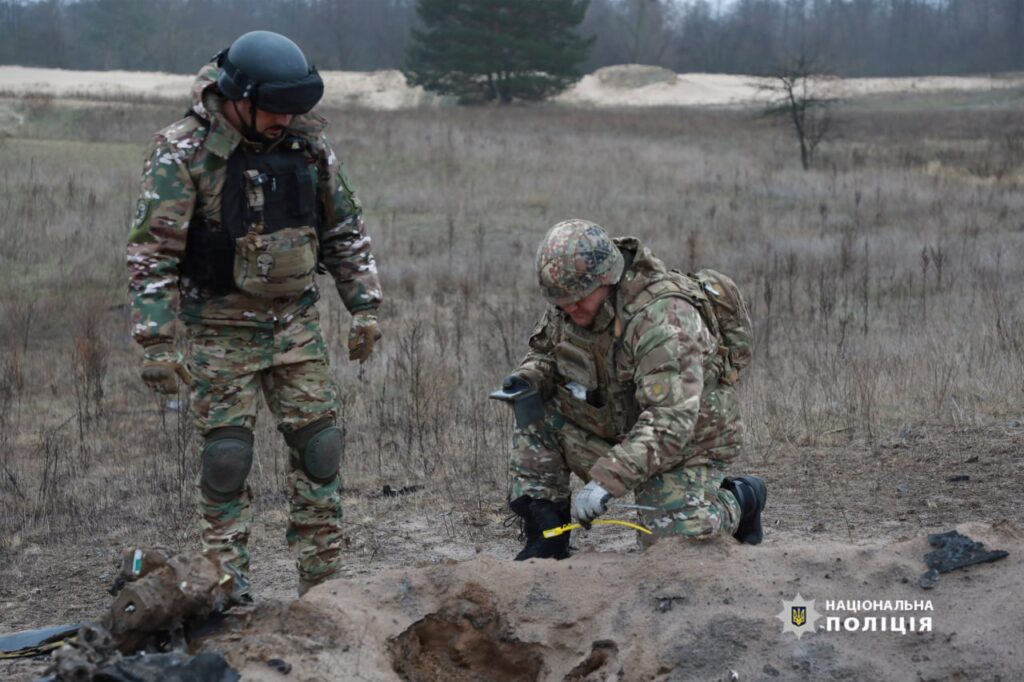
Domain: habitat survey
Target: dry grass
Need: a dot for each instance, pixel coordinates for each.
(884, 286)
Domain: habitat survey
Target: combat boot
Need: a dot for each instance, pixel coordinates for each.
(306, 584)
(539, 516)
(751, 493)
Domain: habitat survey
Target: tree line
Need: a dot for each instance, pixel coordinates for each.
(854, 37)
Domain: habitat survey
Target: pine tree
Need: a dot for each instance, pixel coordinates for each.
(497, 50)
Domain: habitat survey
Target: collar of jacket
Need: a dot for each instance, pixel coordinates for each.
(643, 269)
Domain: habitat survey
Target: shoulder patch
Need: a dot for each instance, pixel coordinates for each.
(141, 212)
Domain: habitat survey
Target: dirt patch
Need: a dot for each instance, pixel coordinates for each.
(466, 641)
(602, 663)
(675, 612)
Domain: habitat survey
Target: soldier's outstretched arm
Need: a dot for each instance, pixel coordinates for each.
(347, 252)
(156, 242)
(669, 378)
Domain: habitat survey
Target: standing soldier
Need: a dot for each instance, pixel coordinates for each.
(629, 384)
(243, 202)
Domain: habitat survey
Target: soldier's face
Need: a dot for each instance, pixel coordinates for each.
(585, 310)
(268, 123)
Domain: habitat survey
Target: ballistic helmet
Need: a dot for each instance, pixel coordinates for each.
(270, 71)
(575, 258)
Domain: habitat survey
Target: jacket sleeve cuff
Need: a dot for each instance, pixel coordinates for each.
(540, 381)
(607, 472)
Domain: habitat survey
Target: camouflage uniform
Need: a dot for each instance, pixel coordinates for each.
(239, 345)
(665, 421)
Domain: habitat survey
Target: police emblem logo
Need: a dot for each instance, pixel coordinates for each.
(799, 616)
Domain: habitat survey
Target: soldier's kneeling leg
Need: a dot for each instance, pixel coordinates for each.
(318, 447)
(688, 502)
(314, 533)
(227, 459)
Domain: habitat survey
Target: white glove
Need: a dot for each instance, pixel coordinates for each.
(590, 503)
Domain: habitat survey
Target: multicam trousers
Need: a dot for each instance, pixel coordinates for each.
(688, 500)
(288, 364)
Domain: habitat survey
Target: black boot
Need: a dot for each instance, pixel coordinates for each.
(751, 493)
(539, 516)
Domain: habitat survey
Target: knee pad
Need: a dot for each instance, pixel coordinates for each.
(227, 458)
(319, 447)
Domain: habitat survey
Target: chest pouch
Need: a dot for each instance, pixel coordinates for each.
(582, 395)
(276, 265)
(269, 207)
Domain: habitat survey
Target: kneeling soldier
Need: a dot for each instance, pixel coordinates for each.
(635, 365)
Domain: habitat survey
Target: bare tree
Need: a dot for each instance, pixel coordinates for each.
(645, 26)
(797, 93)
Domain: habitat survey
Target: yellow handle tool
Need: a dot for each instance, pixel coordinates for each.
(555, 532)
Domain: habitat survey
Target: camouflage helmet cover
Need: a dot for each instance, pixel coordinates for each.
(574, 259)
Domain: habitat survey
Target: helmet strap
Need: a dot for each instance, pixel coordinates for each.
(249, 127)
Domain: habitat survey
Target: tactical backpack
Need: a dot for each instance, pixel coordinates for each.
(719, 302)
(725, 313)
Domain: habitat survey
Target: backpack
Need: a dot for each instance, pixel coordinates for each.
(725, 313)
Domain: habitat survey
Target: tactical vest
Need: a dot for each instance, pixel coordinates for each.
(268, 241)
(590, 394)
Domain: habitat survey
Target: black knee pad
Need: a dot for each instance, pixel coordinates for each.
(227, 458)
(319, 447)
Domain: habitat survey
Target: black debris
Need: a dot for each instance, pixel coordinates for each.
(280, 665)
(172, 667)
(955, 551)
(665, 603)
(388, 491)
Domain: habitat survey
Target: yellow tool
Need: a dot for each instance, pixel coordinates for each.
(555, 532)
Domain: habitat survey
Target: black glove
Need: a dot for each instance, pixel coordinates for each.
(514, 383)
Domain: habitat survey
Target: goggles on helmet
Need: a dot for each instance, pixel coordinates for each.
(281, 97)
(292, 97)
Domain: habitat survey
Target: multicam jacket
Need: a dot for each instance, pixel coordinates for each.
(182, 182)
(644, 378)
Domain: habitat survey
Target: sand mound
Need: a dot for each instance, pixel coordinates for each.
(616, 86)
(633, 76)
(675, 612)
(372, 89)
(642, 86)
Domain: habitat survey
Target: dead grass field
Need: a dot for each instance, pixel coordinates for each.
(884, 285)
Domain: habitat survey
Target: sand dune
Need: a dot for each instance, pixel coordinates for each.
(626, 85)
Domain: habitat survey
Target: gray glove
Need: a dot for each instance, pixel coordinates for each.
(590, 503)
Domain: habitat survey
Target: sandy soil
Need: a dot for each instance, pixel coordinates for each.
(678, 611)
(625, 85)
(431, 596)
